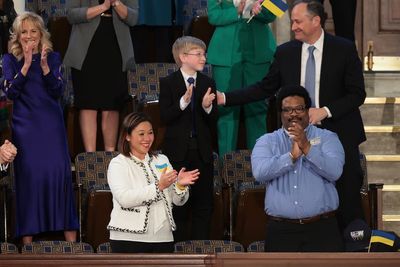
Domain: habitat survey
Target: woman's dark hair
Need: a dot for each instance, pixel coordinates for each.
(131, 121)
(314, 8)
(292, 90)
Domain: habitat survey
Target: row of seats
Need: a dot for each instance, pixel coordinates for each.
(186, 247)
(238, 199)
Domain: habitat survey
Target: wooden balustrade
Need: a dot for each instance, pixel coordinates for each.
(390, 259)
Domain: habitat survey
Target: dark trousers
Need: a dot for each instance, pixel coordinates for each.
(320, 236)
(118, 246)
(348, 187)
(193, 219)
(344, 15)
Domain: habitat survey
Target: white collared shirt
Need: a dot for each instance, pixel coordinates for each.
(319, 47)
(319, 44)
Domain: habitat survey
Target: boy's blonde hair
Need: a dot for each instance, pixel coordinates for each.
(184, 44)
(37, 21)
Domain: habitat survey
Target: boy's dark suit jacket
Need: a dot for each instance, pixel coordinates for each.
(179, 123)
(341, 85)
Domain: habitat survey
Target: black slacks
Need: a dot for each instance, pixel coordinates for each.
(348, 187)
(320, 236)
(193, 219)
(120, 246)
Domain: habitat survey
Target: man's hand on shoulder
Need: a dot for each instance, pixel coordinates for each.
(220, 98)
(316, 115)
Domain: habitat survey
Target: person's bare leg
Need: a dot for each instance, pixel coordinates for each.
(27, 239)
(109, 127)
(88, 123)
(70, 236)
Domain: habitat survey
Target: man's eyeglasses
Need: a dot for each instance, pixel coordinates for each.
(297, 110)
(199, 55)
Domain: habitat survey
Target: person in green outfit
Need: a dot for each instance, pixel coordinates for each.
(240, 53)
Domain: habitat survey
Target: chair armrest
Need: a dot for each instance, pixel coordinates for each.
(376, 205)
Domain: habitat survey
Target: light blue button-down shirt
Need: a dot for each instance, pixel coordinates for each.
(305, 188)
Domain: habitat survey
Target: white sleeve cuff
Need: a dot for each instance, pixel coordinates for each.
(328, 111)
(183, 104)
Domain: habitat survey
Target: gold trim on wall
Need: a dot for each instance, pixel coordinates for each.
(383, 64)
(383, 157)
(391, 218)
(381, 100)
(382, 129)
(391, 188)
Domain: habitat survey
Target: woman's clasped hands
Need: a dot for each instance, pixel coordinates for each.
(183, 178)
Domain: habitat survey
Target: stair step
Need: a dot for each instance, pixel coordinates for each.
(391, 203)
(382, 83)
(381, 142)
(381, 110)
(383, 169)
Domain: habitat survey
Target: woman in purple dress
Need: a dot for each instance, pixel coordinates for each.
(43, 180)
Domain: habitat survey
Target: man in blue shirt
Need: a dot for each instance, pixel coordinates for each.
(300, 164)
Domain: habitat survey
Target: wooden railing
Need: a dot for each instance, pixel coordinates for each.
(221, 259)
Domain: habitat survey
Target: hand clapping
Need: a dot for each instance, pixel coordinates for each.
(43, 60)
(240, 7)
(208, 98)
(27, 49)
(188, 94)
(184, 178)
(7, 152)
(300, 142)
(107, 4)
(166, 179)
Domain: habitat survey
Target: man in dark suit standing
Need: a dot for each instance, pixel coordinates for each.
(189, 114)
(337, 90)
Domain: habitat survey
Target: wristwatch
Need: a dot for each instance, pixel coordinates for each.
(116, 3)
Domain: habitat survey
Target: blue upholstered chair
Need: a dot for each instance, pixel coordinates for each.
(257, 246)
(8, 248)
(56, 247)
(207, 246)
(371, 198)
(95, 199)
(236, 168)
(104, 248)
(144, 79)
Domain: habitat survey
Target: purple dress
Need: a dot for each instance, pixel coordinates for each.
(43, 179)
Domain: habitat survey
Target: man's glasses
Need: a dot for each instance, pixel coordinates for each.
(199, 55)
(297, 110)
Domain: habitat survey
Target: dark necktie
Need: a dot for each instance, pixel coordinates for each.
(310, 75)
(191, 81)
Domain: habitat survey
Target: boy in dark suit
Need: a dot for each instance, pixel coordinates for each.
(189, 110)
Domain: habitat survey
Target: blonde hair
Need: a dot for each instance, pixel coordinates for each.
(184, 44)
(37, 21)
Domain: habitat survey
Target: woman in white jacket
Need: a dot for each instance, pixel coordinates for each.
(144, 186)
